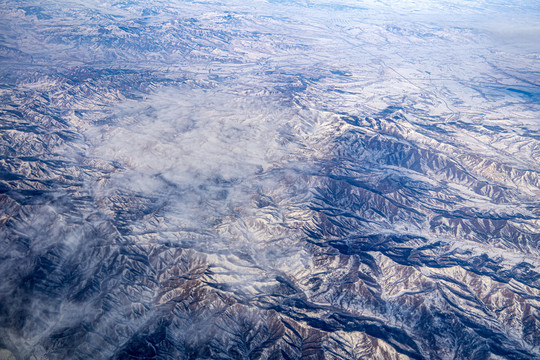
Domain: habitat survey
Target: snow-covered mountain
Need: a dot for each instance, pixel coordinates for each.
(269, 180)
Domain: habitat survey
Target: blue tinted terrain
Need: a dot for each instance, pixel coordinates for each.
(269, 180)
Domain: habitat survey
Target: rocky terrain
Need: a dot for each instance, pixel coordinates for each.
(271, 180)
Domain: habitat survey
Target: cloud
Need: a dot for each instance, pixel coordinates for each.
(189, 137)
(222, 168)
